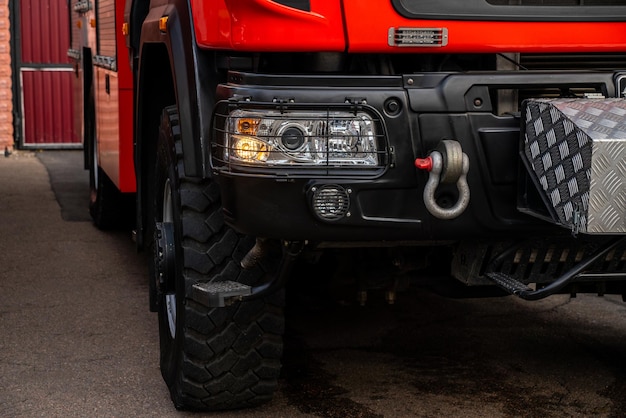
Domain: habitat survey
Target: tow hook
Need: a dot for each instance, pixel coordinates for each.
(448, 164)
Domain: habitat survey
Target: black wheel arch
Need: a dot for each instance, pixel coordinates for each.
(172, 70)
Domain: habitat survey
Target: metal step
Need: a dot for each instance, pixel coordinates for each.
(508, 283)
(517, 288)
(219, 294)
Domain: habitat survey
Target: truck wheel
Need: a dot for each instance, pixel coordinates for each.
(211, 358)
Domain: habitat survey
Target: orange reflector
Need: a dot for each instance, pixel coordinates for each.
(163, 24)
(248, 126)
(125, 30)
(79, 24)
(92, 23)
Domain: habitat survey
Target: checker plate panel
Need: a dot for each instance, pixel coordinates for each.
(576, 149)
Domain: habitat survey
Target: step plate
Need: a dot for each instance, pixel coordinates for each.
(575, 149)
(219, 294)
(508, 283)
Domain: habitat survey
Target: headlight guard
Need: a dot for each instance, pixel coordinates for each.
(298, 137)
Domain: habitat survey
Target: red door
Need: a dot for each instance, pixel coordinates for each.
(46, 75)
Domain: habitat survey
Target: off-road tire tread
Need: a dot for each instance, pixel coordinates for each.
(231, 356)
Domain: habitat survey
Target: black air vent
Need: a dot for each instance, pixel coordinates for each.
(573, 61)
(304, 5)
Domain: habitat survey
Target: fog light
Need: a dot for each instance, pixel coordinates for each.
(330, 202)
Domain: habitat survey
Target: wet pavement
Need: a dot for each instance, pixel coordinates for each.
(78, 339)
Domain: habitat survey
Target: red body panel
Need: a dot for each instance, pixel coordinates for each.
(114, 119)
(367, 29)
(123, 64)
(107, 123)
(113, 89)
(114, 113)
(122, 166)
(126, 157)
(262, 25)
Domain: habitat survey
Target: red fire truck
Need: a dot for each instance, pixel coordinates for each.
(482, 138)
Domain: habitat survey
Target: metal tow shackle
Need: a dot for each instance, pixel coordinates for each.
(448, 165)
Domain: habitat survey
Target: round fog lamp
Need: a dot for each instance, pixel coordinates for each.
(330, 202)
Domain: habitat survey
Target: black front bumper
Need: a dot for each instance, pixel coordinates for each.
(386, 204)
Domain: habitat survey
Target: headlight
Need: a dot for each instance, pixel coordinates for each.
(333, 138)
(248, 148)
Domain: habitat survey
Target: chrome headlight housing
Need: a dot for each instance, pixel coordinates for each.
(301, 138)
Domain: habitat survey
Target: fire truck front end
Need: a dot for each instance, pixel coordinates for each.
(389, 140)
(421, 131)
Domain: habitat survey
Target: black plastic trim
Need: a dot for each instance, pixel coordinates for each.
(285, 80)
(389, 206)
(460, 90)
(194, 76)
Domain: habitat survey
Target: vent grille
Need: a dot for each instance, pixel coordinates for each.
(418, 37)
(330, 202)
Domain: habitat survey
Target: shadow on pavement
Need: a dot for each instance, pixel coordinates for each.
(70, 182)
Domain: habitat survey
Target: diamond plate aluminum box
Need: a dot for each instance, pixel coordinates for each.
(575, 150)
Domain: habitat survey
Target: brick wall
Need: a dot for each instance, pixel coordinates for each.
(6, 102)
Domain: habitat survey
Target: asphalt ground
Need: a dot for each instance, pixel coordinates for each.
(78, 339)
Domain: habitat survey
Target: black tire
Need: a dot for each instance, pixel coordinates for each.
(211, 359)
(108, 207)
